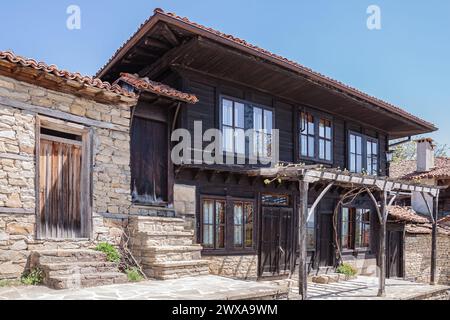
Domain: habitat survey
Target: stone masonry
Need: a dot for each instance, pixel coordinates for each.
(111, 171)
(418, 258)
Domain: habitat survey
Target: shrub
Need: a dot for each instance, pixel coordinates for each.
(111, 252)
(133, 274)
(346, 269)
(33, 277)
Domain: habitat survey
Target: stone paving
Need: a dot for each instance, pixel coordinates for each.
(366, 288)
(191, 288)
(220, 288)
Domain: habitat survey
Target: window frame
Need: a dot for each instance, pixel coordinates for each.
(352, 222)
(364, 155)
(318, 116)
(229, 247)
(247, 154)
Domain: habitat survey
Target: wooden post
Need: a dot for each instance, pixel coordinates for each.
(382, 247)
(434, 240)
(302, 217)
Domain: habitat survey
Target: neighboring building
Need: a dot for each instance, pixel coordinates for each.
(243, 226)
(427, 170)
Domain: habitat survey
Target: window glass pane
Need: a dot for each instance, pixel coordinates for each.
(358, 163)
(227, 112)
(239, 115)
(208, 211)
(257, 118)
(322, 149)
(352, 143)
(369, 148)
(310, 233)
(358, 145)
(239, 141)
(268, 121)
(304, 145)
(227, 142)
(220, 224)
(248, 225)
(267, 145)
(238, 216)
(328, 150)
(344, 228)
(310, 146)
(328, 131)
(275, 200)
(208, 236)
(322, 129)
(310, 125)
(375, 166)
(374, 148)
(352, 162)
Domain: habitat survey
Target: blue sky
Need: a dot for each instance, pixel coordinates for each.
(406, 62)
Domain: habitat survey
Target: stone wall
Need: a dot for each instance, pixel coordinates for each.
(241, 266)
(418, 258)
(111, 170)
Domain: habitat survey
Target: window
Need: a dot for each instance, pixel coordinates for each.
(363, 154)
(315, 137)
(237, 118)
(307, 135)
(311, 232)
(213, 224)
(216, 233)
(243, 224)
(355, 228)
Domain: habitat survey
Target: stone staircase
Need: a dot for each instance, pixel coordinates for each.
(79, 268)
(164, 248)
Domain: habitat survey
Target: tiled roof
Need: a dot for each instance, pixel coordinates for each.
(302, 69)
(426, 229)
(406, 214)
(406, 169)
(86, 81)
(52, 69)
(144, 84)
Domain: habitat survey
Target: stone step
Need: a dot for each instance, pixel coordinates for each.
(66, 256)
(85, 280)
(161, 241)
(178, 269)
(54, 269)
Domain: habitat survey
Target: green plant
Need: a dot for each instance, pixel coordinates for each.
(346, 269)
(133, 274)
(111, 252)
(9, 283)
(33, 277)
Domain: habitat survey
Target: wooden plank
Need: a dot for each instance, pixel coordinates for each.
(61, 140)
(382, 247)
(60, 114)
(302, 216)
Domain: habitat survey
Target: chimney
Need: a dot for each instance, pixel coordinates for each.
(425, 154)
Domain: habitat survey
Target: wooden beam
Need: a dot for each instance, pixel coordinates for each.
(316, 202)
(302, 217)
(150, 42)
(153, 70)
(169, 35)
(60, 114)
(382, 248)
(434, 241)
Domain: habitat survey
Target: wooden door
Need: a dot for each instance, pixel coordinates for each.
(276, 241)
(325, 254)
(61, 209)
(149, 161)
(394, 254)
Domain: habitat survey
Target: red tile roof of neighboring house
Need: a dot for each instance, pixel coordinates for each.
(406, 214)
(385, 105)
(406, 169)
(144, 84)
(426, 229)
(140, 84)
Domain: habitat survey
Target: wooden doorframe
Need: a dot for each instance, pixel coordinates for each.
(86, 198)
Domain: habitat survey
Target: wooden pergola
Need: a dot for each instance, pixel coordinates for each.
(387, 190)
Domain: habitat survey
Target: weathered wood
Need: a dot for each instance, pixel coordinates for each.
(60, 114)
(302, 216)
(434, 234)
(382, 252)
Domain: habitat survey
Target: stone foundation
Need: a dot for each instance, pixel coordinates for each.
(418, 258)
(365, 265)
(241, 267)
